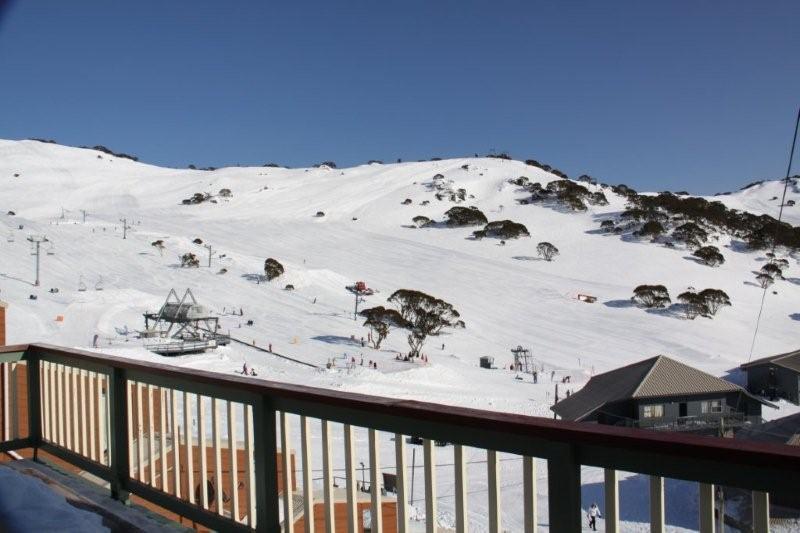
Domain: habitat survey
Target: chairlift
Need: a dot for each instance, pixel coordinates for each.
(81, 285)
(51, 250)
(10, 237)
(99, 285)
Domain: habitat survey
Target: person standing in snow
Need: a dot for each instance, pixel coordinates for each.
(593, 513)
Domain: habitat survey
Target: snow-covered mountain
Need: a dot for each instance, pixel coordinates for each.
(506, 294)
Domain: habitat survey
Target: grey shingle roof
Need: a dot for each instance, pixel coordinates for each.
(655, 377)
(790, 360)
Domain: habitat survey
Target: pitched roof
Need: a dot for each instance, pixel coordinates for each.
(790, 360)
(656, 377)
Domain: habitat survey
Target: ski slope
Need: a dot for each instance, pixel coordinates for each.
(505, 294)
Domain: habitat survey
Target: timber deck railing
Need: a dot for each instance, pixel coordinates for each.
(144, 429)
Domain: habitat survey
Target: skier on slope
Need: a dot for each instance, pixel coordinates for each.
(593, 513)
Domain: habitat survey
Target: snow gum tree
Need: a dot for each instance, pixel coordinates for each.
(714, 300)
(425, 316)
(709, 255)
(190, 260)
(651, 296)
(272, 269)
(380, 320)
(691, 234)
(546, 250)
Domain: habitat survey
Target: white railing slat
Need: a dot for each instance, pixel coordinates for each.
(234, 467)
(188, 431)
(493, 474)
(327, 478)
(529, 494)
(402, 486)
(176, 444)
(430, 487)
(151, 448)
(162, 437)
(350, 472)
(216, 431)
(93, 393)
(461, 488)
(84, 417)
(249, 454)
(376, 507)
(201, 432)
(286, 459)
(44, 376)
(706, 504)
(308, 484)
(760, 512)
(611, 500)
(140, 432)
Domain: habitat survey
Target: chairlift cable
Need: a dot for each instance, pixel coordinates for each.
(777, 229)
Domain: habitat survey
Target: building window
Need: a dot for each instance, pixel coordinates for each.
(711, 406)
(653, 411)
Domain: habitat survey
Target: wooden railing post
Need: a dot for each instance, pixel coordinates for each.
(118, 430)
(34, 403)
(656, 504)
(564, 491)
(265, 438)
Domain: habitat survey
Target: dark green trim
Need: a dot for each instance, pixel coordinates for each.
(34, 403)
(192, 387)
(265, 438)
(97, 469)
(118, 431)
(564, 492)
(11, 357)
(484, 436)
(73, 362)
(16, 444)
(183, 508)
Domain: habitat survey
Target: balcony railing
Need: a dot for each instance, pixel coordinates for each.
(217, 449)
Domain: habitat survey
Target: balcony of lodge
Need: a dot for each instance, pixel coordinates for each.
(231, 453)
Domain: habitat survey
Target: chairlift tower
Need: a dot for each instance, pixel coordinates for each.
(359, 290)
(210, 253)
(523, 360)
(125, 227)
(36, 241)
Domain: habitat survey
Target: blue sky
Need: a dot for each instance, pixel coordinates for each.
(676, 95)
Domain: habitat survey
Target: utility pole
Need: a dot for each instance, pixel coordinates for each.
(210, 253)
(37, 240)
(359, 299)
(125, 227)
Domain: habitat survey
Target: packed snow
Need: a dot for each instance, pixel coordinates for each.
(506, 294)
